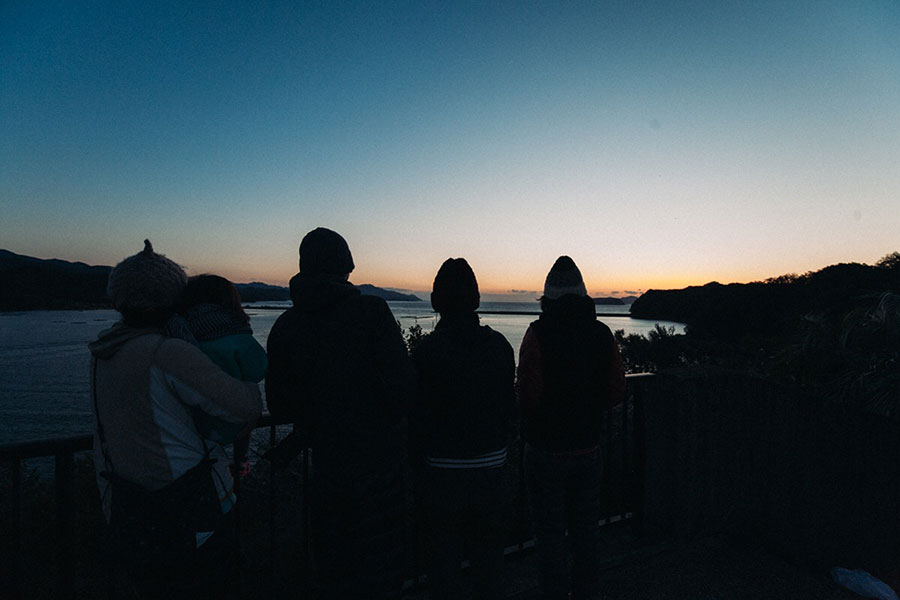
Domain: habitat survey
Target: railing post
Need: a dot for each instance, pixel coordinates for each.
(637, 519)
(271, 562)
(626, 476)
(305, 516)
(523, 490)
(17, 563)
(607, 462)
(64, 516)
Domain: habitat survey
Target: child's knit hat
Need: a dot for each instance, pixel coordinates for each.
(146, 281)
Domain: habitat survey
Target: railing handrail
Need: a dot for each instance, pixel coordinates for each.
(64, 448)
(83, 442)
(80, 443)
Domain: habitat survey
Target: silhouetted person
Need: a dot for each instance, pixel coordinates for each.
(569, 374)
(339, 368)
(166, 492)
(460, 432)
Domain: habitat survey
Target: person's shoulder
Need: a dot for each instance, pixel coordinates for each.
(372, 307)
(285, 320)
(431, 340)
(289, 314)
(369, 301)
(175, 344)
(496, 338)
(176, 351)
(603, 329)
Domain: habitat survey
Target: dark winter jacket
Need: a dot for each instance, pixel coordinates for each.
(570, 372)
(338, 367)
(466, 393)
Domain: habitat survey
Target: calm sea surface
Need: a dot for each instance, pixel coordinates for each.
(44, 361)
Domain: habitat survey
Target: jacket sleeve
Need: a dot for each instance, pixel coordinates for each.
(251, 359)
(510, 385)
(199, 383)
(616, 376)
(529, 381)
(282, 382)
(420, 414)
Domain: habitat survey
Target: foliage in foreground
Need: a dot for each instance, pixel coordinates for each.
(852, 357)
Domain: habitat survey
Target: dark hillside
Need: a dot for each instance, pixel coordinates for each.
(772, 308)
(261, 292)
(28, 283)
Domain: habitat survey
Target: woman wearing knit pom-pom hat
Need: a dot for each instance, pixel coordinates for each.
(569, 374)
(166, 493)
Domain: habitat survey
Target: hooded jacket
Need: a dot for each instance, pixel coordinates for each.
(338, 368)
(146, 386)
(570, 372)
(466, 401)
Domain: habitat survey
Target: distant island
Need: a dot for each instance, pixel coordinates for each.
(262, 292)
(614, 301)
(371, 290)
(28, 283)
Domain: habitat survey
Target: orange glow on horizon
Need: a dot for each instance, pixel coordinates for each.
(619, 285)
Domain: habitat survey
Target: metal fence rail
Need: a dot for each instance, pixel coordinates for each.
(63, 451)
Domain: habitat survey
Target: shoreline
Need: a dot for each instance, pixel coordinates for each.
(264, 307)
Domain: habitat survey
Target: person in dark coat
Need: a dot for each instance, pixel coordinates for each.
(570, 373)
(460, 434)
(338, 367)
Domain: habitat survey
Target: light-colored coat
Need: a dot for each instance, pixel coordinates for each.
(146, 386)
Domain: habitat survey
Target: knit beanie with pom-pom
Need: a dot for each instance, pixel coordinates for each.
(146, 281)
(564, 278)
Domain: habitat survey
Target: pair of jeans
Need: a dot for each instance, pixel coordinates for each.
(465, 511)
(359, 536)
(210, 571)
(564, 494)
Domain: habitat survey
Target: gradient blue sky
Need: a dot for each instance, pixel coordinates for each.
(658, 145)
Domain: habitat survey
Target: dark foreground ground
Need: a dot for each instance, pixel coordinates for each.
(711, 568)
(714, 568)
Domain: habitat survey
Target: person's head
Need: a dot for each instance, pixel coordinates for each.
(455, 289)
(325, 252)
(563, 279)
(145, 288)
(213, 289)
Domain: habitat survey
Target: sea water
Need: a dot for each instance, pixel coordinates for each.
(45, 363)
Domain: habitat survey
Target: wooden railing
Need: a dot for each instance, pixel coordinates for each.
(627, 433)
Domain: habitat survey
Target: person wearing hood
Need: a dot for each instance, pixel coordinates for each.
(465, 409)
(339, 369)
(569, 374)
(166, 493)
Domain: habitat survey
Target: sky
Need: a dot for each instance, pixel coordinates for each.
(658, 145)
